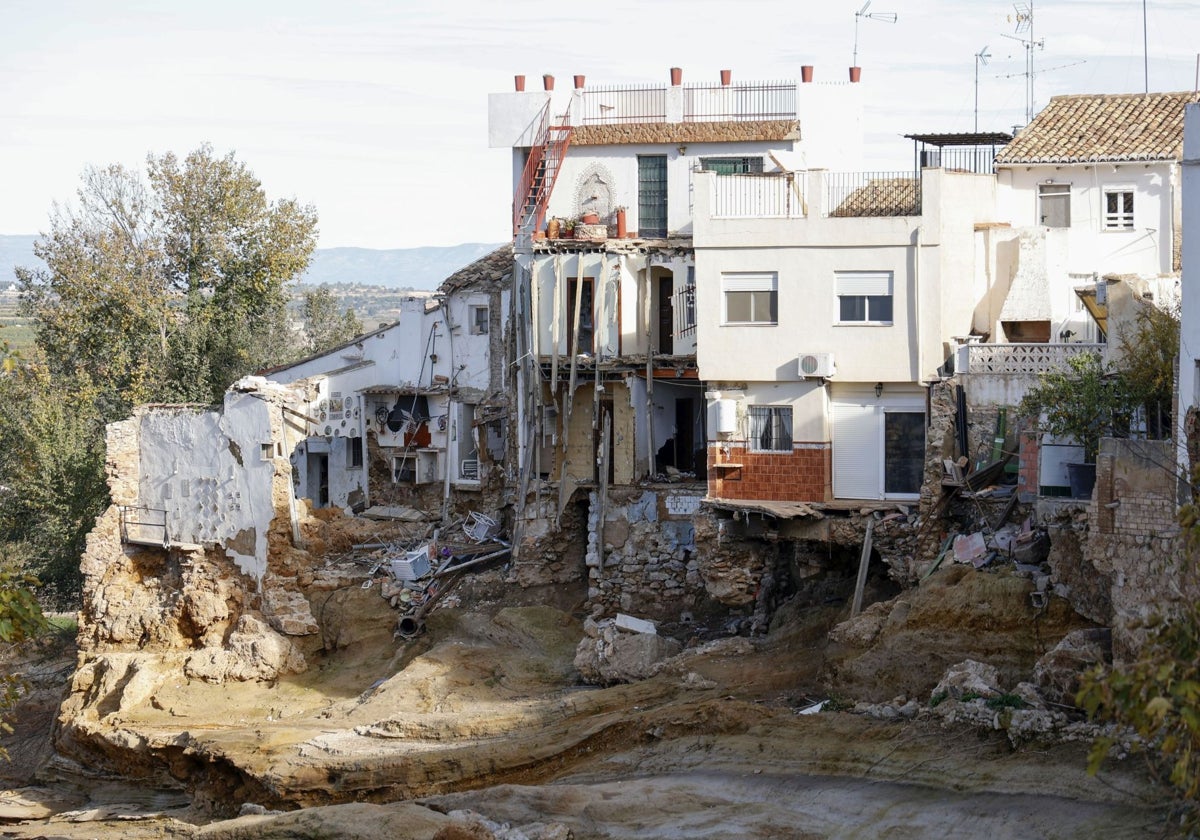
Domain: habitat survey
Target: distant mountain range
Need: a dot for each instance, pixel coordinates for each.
(395, 268)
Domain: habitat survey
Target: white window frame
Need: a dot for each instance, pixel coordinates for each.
(1119, 220)
(787, 419)
(867, 285)
(750, 282)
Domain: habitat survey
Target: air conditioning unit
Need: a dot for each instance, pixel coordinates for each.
(817, 365)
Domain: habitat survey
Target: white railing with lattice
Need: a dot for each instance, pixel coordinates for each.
(1023, 358)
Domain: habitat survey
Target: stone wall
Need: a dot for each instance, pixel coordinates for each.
(650, 567)
(730, 131)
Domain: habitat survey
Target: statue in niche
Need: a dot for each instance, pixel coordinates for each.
(595, 192)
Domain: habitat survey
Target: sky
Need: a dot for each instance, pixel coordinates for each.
(375, 111)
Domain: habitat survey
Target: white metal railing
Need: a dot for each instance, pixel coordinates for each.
(1023, 358)
(748, 196)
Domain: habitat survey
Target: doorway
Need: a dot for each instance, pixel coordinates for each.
(666, 314)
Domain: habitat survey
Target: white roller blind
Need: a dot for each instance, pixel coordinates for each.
(767, 281)
(864, 282)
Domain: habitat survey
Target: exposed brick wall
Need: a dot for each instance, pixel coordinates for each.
(1027, 476)
(804, 475)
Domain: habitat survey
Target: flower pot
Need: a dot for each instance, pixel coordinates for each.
(579, 79)
(1082, 478)
(553, 229)
(676, 76)
(726, 77)
(590, 218)
(567, 233)
(519, 81)
(548, 81)
(621, 223)
(855, 74)
(806, 73)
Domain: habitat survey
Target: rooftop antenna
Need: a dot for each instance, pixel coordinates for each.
(1024, 21)
(1145, 50)
(886, 17)
(981, 57)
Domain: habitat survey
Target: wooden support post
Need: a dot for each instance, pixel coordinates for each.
(648, 292)
(602, 494)
(863, 562)
(573, 350)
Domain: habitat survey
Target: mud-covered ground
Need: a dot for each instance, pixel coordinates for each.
(480, 727)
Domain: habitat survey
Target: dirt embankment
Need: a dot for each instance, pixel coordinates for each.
(480, 723)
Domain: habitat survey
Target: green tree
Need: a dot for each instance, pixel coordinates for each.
(325, 325)
(52, 472)
(1147, 368)
(1084, 401)
(20, 619)
(158, 289)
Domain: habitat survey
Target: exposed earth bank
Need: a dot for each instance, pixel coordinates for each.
(480, 728)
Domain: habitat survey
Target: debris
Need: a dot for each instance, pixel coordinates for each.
(635, 625)
(968, 548)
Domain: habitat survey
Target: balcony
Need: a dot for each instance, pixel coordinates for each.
(759, 196)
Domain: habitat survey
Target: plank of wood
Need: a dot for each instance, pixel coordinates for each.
(863, 562)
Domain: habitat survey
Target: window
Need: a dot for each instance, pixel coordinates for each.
(771, 428)
(751, 298)
(732, 165)
(652, 196)
(354, 452)
(1054, 205)
(864, 297)
(479, 320)
(1118, 209)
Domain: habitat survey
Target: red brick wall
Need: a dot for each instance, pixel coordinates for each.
(1027, 476)
(800, 476)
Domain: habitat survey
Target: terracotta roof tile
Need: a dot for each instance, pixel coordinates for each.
(1098, 127)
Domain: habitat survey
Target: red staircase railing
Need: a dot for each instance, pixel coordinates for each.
(541, 170)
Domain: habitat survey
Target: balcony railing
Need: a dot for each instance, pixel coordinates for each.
(977, 159)
(872, 194)
(617, 104)
(740, 103)
(144, 526)
(626, 104)
(1024, 358)
(744, 196)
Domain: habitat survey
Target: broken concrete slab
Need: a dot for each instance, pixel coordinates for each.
(634, 625)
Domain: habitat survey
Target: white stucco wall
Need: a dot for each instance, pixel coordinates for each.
(1189, 338)
(210, 472)
(1146, 249)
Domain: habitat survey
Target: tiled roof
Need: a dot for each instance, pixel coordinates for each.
(896, 196)
(1102, 127)
(494, 269)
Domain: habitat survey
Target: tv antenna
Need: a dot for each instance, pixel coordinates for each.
(981, 57)
(886, 17)
(1024, 21)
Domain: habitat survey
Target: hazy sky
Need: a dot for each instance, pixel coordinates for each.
(376, 112)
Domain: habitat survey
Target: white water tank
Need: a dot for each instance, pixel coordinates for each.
(726, 416)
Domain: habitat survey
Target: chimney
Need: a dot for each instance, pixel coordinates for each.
(726, 77)
(855, 74)
(548, 81)
(579, 79)
(676, 76)
(520, 83)
(806, 73)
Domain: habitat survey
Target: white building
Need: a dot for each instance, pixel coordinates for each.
(1189, 329)
(1090, 188)
(818, 330)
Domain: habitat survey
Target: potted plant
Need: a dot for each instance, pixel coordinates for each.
(1084, 402)
(568, 229)
(590, 218)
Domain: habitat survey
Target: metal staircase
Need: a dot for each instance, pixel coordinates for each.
(541, 171)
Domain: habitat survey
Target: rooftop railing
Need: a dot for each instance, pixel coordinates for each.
(739, 103)
(611, 104)
(756, 196)
(749, 102)
(872, 194)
